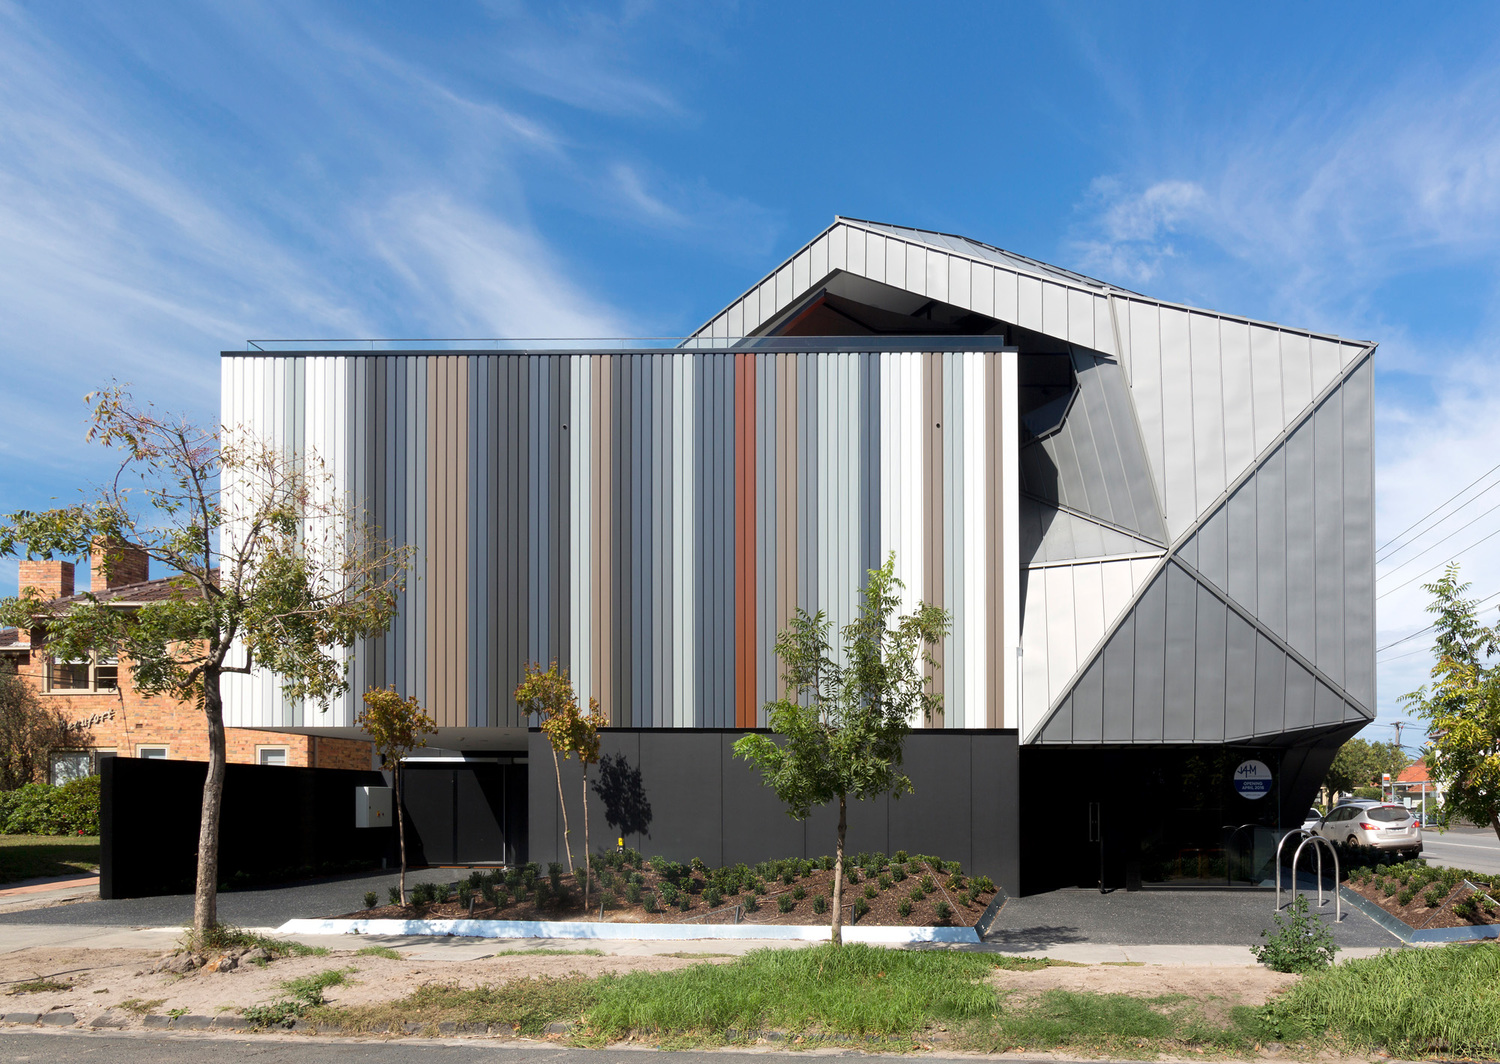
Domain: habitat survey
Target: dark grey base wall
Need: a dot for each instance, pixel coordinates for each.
(682, 794)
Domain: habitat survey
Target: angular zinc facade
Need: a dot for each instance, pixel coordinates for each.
(1152, 523)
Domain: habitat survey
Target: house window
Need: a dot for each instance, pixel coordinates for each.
(70, 765)
(153, 752)
(270, 755)
(83, 677)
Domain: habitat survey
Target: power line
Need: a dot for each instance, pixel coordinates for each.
(1422, 532)
(1430, 627)
(1439, 565)
(1439, 543)
(1435, 509)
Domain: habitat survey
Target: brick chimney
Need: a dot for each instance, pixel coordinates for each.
(54, 580)
(128, 565)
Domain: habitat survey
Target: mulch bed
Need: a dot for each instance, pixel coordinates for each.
(884, 907)
(1417, 914)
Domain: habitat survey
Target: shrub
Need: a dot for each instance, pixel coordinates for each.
(820, 904)
(928, 884)
(1434, 897)
(852, 875)
(860, 907)
(904, 908)
(443, 892)
(785, 903)
(684, 901)
(393, 895)
(917, 893)
(750, 902)
(885, 881)
(669, 893)
(900, 856)
(786, 878)
(956, 883)
(955, 868)
(943, 910)
(760, 886)
(827, 863)
(633, 893)
(965, 899)
(984, 885)
(607, 900)
(898, 872)
(648, 902)
(1302, 942)
(1388, 887)
(370, 899)
(42, 809)
(870, 891)
(465, 894)
(697, 865)
(1406, 895)
(712, 897)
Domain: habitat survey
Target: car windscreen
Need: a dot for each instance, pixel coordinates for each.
(1388, 814)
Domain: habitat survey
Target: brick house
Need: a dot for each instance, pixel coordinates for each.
(110, 718)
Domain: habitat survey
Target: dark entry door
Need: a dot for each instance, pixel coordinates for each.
(458, 812)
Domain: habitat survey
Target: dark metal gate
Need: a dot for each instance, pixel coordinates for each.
(465, 811)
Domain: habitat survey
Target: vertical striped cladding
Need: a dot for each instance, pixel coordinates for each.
(651, 520)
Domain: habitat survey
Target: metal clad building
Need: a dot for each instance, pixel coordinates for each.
(1153, 525)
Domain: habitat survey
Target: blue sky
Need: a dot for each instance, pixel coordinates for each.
(176, 178)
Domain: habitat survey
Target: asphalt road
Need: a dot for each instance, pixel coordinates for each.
(67, 1047)
(1476, 849)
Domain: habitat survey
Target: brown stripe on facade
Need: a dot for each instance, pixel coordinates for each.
(932, 503)
(744, 540)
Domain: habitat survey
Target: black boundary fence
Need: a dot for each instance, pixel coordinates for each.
(278, 824)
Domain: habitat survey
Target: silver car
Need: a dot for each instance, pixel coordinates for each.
(1382, 827)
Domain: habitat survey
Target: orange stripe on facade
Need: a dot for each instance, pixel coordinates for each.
(744, 540)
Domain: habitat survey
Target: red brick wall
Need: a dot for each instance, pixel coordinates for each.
(127, 565)
(124, 720)
(53, 579)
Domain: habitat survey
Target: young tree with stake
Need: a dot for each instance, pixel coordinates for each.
(842, 723)
(548, 694)
(277, 573)
(396, 726)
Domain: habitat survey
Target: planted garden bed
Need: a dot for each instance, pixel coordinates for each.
(916, 890)
(1421, 896)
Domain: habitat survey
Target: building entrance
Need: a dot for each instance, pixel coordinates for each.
(465, 811)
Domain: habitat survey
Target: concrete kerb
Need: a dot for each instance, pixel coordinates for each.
(606, 932)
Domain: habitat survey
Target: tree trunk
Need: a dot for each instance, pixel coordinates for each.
(400, 827)
(1495, 823)
(587, 865)
(563, 806)
(206, 899)
(837, 937)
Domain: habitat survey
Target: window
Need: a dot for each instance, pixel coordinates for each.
(70, 765)
(270, 755)
(83, 677)
(152, 752)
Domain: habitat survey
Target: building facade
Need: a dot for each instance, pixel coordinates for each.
(1152, 525)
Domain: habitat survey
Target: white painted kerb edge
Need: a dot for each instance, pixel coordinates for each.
(623, 932)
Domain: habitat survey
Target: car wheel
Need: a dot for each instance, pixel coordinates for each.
(1351, 844)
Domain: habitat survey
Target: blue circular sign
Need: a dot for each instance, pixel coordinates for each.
(1252, 779)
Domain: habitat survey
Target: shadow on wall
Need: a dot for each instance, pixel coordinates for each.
(620, 788)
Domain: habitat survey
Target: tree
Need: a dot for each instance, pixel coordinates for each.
(396, 726)
(569, 731)
(1359, 763)
(29, 731)
(276, 569)
(1462, 706)
(842, 723)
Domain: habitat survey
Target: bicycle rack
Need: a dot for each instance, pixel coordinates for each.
(1319, 844)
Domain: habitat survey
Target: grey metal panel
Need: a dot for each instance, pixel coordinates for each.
(1207, 409)
(1179, 493)
(1239, 413)
(1209, 691)
(1265, 372)
(1359, 533)
(1118, 723)
(1212, 542)
(1089, 451)
(1270, 687)
(1069, 465)
(1328, 708)
(1150, 661)
(1028, 302)
(1088, 704)
(1081, 318)
(1299, 696)
(1271, 541)
(1130, 452)
(1239, 678)
(1181, 627)
(1328, 538)
(755, 825)
(1300, 529)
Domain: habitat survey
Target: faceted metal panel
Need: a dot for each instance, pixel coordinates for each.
(1052, 535)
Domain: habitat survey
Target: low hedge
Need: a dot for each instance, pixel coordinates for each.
(42, 809)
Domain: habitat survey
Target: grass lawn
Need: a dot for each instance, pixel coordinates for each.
(34, 856)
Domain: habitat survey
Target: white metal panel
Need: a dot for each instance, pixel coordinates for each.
(1326, 362)
(1062, 628)
(838, 247)
(1208, 409)
(1088, 613)
(960, 273)
(1007, 297)
(854, 241)
(895, 263)
(801, 273)
(1239, 412)
(1118, 587)
(981, 288)
(916, 269)
(1265, 372)
(685, 682)
(1349, 352)
(818, 260)
(1180, 493)
(979, 642)
(580, 459)
(786, 291)
(1080, 318)
(1035, 692)
(937, 276)
(1054, 310)
(1296, 375)
(1104, 329)
(901, 470)
(875, 257)
(1028, 302)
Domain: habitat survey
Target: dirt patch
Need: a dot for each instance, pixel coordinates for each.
(121, 982)
(686, 898)
(1459, 907)
(1215, 989)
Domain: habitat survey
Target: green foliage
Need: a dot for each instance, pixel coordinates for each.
(370, 899)
(223, 937)
(42, 809)
(527, 1005)
(29, 732)
(1359, 764)
(860, 907)
(302, 994)
(395, 725)
(904, 908)
(943, 911)
(393, 895)
(1301, 943)
(785, 903)
(820, 904)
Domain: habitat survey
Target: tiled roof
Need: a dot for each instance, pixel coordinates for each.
(1413, 773)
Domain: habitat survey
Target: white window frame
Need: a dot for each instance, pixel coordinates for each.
(165, 748)
(286, 755)
(95, 662)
